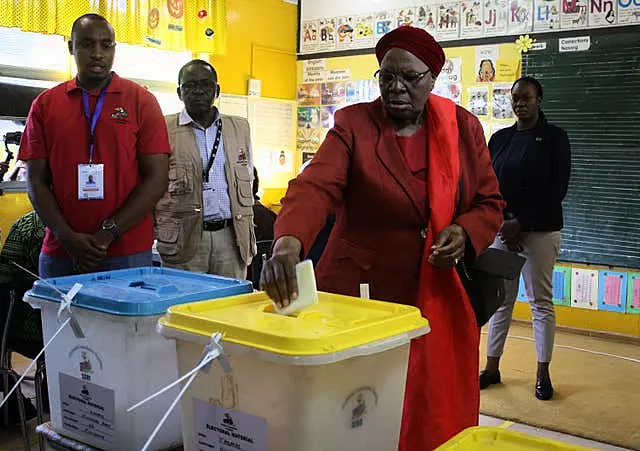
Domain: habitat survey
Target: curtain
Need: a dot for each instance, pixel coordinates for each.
(198, 26)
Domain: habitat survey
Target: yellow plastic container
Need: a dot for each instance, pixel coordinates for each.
(14, 203)
(499, 439)
(331, 377)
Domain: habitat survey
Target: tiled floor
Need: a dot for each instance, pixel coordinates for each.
(490, 421)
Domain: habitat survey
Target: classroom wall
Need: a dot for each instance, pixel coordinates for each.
(261, 44)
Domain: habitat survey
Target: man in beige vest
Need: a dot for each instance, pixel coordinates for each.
(204, 223)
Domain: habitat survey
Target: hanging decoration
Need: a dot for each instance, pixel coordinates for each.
(524, 43)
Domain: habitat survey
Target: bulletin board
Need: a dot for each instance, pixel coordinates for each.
(478, 78)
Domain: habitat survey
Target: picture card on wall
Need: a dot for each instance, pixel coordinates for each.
(364, 35)
(546, 15)
(327, 34)
(471, 19)
(520, 16)
(406, 17)
(602, 13)
(501, 105)
(628, 12)
(478, 100)
(451, 71)
(486, 63)
(346, 33)
(427, 18)
(309, 36)
(574, 14)
(451, 91)
(448, 21)
(309, 117)
(310, 94)
(612, 291)
(384, 23)
(561, 283)
(308, 139)
(496, 18)
(584, 288)
(281, 161)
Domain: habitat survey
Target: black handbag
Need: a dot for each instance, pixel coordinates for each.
(483, 280)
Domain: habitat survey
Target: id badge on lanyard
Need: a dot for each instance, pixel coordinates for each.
(91, 175)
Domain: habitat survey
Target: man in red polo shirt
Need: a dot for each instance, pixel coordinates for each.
(97, 153)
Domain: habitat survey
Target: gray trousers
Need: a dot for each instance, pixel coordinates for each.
(541, 250)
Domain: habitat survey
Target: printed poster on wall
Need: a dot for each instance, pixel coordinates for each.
(359, 91)
(310, 94)
(345, 33)
(451, 91)
(479, 100)
(427, 16)
(406, 17)
(546, 15)
(384, 23)
(308, 117)
(602, 13)
(327, 29)
(451, 71)
(448, 21)
(495, 17)
(574, 14)
(281, 161)
(520, 16)
(471, 19)
(309, 37)
(501, 105)
(628, 12)
(364, 36)
(308, 139)
(486, 62)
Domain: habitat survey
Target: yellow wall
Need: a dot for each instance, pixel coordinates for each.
(261, 44)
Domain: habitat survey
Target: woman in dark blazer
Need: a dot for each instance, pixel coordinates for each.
(532, 160)
(391, 170)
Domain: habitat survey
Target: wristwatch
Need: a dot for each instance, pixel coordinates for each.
(109, 225)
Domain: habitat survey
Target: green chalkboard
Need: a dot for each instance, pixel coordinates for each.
(595, 96)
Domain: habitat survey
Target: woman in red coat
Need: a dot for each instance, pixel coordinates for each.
(411, 183)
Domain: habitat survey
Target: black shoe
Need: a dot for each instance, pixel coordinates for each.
(544, 389)
(487, 379)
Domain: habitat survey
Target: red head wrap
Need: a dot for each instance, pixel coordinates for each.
(417, 42)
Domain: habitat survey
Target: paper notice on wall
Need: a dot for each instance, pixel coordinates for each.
(578, 44)
(233, 105)
(271, 123)
(507, 70)
(612, 290)
(338, 75)
(451, 71)
(313, 71)
(88, 411)
(584, 289)
(281, 161)
(218, 428)
(635, 292)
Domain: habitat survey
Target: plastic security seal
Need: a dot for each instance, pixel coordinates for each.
(65, 307)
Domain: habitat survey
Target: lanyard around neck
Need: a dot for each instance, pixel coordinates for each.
(92, 119)
(214, 151)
